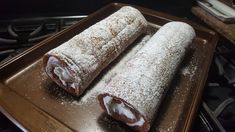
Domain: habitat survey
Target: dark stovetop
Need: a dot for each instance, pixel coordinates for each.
(11, 9)
(19, 34)
(217, 111)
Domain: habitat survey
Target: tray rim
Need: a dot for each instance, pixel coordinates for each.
(193, 108)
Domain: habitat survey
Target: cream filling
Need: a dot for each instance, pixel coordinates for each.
(121, 109)
(62, 74)
(107, 101)
(65, 77)
(73, 85)
(140, 122)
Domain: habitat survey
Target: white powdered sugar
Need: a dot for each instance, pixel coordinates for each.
(93, 49)
(189, 72)
(90, 96)
(147, 75)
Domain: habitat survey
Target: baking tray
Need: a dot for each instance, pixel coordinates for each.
(33, 102)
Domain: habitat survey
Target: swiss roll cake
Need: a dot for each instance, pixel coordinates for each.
(134, 94)
(74, 64)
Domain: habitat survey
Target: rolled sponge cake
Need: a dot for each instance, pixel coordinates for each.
(74, 64)
(133, 96)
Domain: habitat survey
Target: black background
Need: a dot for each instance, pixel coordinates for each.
(11, 9)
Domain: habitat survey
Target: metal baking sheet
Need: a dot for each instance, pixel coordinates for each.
(33, 102)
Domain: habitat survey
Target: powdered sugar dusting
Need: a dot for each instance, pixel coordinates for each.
(90, 96)
(186, 71)
(146, 76)
(90, 51)
(114, 68)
